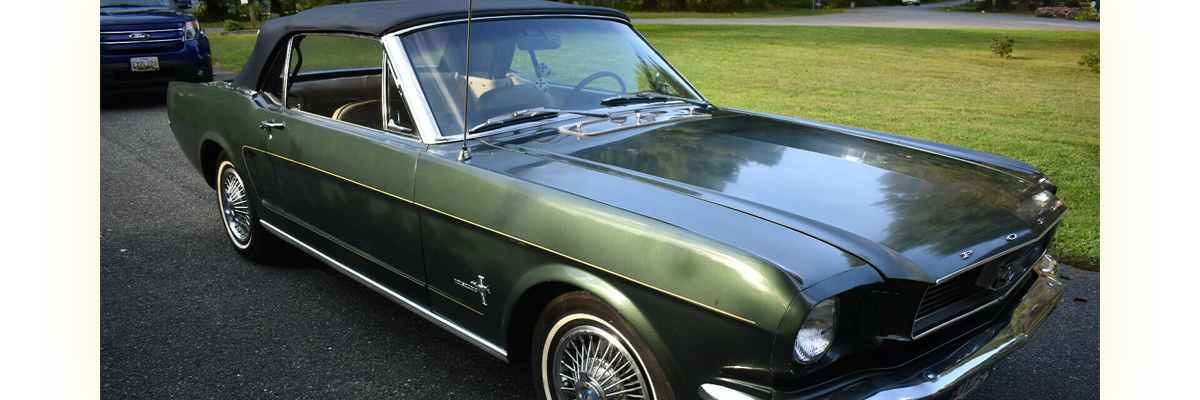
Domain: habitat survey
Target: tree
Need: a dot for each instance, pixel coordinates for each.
(215, 10)
(1022, 5)
(1003, 5)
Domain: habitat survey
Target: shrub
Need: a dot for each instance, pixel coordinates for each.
(1092, 61)
(968, 7)
(715, 5)
(1087, 16)
(1057, 12)
(1002, 46)
(985, 5)
(231, 25)
(201, 12)
(1071, 3)
(204, 13)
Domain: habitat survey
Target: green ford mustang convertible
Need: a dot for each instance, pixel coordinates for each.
(553, 190)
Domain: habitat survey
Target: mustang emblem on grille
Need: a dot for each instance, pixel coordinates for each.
(1007, 274)
(139, 36)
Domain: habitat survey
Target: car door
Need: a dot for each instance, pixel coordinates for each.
(344, 175)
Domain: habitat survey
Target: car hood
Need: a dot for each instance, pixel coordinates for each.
(909, 211)
(138, 15)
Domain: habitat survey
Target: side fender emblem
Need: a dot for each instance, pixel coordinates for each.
(966, 254)
(477, 286)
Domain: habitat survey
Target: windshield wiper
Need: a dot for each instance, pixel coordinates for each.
(532, 114)
(650, 97)
(125, 5)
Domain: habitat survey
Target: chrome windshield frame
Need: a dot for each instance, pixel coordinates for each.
(419, 105)
(406, 77)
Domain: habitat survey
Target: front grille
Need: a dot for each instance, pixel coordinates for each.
(879, 314)
(154, 38)
(139, 27)
(976, 288)
(951, 291)
(148, 48)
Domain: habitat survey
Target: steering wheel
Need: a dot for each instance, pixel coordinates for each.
(589, 79)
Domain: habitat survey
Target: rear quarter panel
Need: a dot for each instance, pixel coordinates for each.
(204, 115)
(194, 112)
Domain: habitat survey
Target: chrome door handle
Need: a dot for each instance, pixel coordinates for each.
(271, 124)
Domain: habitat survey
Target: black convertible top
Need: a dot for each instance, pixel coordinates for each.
(379, 18)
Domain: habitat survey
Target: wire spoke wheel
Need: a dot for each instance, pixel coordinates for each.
(235, 206)
(591, 364)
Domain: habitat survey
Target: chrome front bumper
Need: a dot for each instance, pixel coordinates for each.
(964, 370)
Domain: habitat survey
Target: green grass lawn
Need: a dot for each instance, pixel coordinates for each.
(799, 12)
(944, 85)
(230, 52)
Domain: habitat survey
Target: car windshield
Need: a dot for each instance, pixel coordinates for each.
(137, 3)
(564, 64)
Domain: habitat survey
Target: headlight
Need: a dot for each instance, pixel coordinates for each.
(191, 30)
(816, 333)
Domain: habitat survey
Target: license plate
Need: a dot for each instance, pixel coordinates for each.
(144, 63)
(973, 382)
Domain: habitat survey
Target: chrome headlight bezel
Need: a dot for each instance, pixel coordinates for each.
(816, 333)
(191, 30)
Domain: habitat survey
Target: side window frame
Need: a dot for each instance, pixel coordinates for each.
(265, 82)
(287, 69)
(292, 49)
(413, 132)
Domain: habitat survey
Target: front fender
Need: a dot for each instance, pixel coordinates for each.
(691, 343)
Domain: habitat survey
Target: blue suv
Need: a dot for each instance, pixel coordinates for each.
(146, 43)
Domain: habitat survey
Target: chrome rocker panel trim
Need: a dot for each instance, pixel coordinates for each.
(710, 391)
(396, 297)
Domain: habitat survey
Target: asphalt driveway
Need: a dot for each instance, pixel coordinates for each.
(926, 16)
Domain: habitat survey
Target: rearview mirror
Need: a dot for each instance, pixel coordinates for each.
(538, 42)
